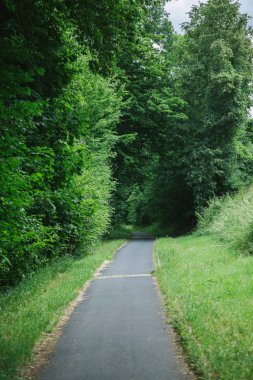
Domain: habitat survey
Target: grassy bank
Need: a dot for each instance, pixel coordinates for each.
(37, 303)
(229, 219)
(208, 290)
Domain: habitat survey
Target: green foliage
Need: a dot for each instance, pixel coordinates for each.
(109, 26)
(187, 115)
(58, 123)
(199, 140)
(153, 111)
(218, 53)
(122, 231)
(230, 219)
(244, 150)
(66, 186)
(106, 114)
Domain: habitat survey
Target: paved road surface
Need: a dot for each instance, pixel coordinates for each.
(118, 331)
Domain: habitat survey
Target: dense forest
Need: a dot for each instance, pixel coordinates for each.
(108, 116)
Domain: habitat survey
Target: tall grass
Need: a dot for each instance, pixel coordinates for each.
(231, 220)
(207, 280)
(208, 290)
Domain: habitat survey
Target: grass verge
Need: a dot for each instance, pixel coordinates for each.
(208, 292)
(37, 303)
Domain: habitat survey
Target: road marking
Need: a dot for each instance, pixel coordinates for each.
(123, 276)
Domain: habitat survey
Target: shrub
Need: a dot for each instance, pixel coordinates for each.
(55, 188)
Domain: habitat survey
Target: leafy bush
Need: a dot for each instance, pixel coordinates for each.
(55, 173)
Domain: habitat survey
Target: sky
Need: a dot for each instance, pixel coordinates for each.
(178, 10)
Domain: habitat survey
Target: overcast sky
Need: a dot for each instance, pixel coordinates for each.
(178, 10)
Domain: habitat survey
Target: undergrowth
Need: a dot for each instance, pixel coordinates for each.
(230, 219)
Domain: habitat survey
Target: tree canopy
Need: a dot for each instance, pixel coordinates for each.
(108, 116)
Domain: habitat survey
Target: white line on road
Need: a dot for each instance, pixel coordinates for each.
(123, 276)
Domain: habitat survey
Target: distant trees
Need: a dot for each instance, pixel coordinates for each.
(153, 109)
(198, 127)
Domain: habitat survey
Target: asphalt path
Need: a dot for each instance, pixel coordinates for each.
(118, 332)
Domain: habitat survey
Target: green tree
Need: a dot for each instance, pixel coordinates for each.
(57, 124)
(216, 83)
(154, 110)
